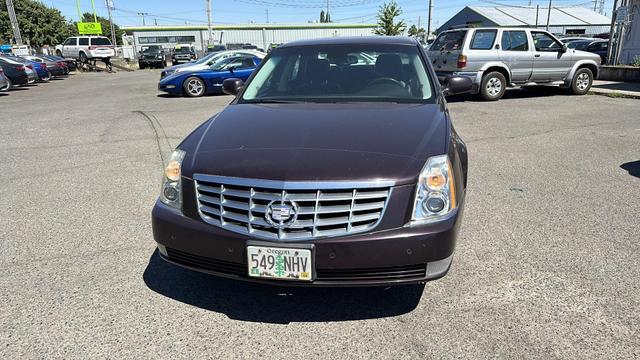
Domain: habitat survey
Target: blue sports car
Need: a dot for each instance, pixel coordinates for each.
(199, 82)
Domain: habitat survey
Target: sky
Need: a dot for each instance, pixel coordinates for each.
(171, 12)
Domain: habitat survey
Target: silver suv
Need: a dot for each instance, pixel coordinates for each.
(499, 57)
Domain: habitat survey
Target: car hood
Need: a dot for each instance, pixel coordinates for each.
(584, 55)
(181, 66)
(319, 142)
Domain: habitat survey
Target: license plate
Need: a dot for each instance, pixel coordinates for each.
(280, 263)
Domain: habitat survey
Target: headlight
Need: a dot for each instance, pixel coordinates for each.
(171, 193)
(436, 193)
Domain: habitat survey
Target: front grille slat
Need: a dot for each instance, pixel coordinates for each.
(323, 208)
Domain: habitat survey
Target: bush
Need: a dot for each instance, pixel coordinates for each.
(636, 61)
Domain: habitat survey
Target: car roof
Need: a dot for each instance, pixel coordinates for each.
(348, 40)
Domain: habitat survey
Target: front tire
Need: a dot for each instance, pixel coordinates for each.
(582, 81)
(493, 86)
(140, 66)
(193, 87)
(83, 58)
(58, 53)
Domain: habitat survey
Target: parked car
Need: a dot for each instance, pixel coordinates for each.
(209, 81)
(596, 46)
(69, 64)
(215, 48)
(40, 69)
(205, 62)
(321, 172)
(4, 81)
(15, 72)
(152, 55)
(84, 48)
(183, 53)
(496, 58)
(56, 69)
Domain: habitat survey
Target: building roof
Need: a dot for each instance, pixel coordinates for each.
(249, 27)
(526, 16)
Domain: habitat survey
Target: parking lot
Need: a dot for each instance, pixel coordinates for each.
(547, 264)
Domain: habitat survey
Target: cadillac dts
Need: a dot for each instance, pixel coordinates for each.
(336, 164)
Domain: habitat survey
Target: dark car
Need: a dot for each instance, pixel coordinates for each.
(16, 72)
(69, 64)
(152, 55)
(600, 47)
(325, 170)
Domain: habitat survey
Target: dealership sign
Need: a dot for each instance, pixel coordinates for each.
(89, 28)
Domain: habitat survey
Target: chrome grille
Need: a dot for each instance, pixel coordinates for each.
(323, 208)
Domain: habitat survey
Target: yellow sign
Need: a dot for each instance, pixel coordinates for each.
(89, 28)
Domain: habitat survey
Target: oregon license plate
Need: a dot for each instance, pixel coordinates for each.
(280, 263)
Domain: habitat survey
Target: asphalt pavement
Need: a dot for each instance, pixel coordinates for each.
(547, 262)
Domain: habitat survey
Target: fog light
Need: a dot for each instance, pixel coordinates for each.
(170, 193)
(434, 204)
(170, 86)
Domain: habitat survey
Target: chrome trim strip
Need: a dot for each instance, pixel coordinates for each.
(294, 185)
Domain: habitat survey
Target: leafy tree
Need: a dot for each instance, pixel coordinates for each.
(106, 27)
(39, 24)
(322, 17)
(328, 18)
(414, 31)
(387, 24)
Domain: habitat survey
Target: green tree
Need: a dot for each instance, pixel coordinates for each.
(387, 24)
(39, 25)
(106, 27)
(414, 31)
(328, 18)
(322, 17)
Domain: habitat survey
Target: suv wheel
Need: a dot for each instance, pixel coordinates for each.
(59, 53)
(493, 86)
(83, 57)
(140, 66)
(193, 87)
(582, 81)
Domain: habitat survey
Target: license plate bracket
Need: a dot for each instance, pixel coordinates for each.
(292, 256)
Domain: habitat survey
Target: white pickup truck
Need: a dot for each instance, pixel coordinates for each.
(84, 48)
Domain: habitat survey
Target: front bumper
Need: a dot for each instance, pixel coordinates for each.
(405, 255)
(170, 88)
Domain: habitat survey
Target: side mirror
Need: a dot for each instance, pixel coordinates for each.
(564, 48)
(231, 68)
(457, 85)
(232, 86)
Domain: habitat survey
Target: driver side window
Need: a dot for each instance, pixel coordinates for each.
(544, 42)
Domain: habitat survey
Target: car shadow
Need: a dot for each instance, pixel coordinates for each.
(512, 94)
(172, 96)
(278, 305)
(633, 168)
(21, 88)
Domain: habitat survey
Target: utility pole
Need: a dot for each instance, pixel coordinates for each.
(143, 14)
(429, 19)
(209, 29)
(548, 15)
(267, 11)
(328, 10)
(612, 32)
(14, 22)
(113, 28)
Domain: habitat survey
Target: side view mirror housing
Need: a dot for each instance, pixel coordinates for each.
(232, 86)
(457, 85)
(231, 68)
(564, 48)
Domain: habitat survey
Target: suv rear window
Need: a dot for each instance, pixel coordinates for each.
(483, 39)
(83, 41)
(100, 41)
(451, 40)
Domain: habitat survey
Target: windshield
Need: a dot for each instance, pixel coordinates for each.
(183, 50)
(151, 49)
(451, 40)
(342, 73)
(208, 58)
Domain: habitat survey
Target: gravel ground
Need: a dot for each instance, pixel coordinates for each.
(547, 264)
